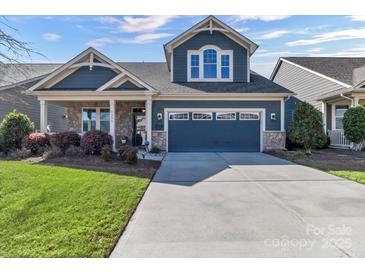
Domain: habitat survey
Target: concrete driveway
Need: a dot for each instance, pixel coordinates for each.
(245, 205)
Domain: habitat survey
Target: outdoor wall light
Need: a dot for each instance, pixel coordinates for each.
(273, 116)
(159, 116)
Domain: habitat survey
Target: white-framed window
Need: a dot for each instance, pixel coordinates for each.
(249, 116)
(179, 116)
(202, 116)
(339, 112)
(225, 116)
(95, 118)
(210, 63)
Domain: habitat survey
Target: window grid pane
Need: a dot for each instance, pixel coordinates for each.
(210, 63)
(88, 119)
(179, 116)
(225, 66)
(248, 116)
(202, 116)
(105, 120)
(194, 66)
(225, 116)
(340, 111)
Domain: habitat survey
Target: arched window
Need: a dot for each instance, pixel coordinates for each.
(210, 63)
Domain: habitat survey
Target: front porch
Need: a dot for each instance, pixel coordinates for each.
(131, 118)
(334, 108)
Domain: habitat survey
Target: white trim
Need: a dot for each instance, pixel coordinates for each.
(112, 122)
(148, 118)
(316, 73)
(249, 119)
(204, 113)
(200, 53)
(73, 61)
(324, 113)
(262, 118)
(172, 67)
(223, 96)
(248, 68)
(91, 65)
(282, 115)
(178, 112)
(333, 106)
(43, 115)
(97, 124)
(226, 112)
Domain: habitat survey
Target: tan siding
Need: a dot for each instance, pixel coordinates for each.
(305, 84)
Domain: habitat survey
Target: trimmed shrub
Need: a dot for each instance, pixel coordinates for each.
(65, 139)
(14, 128)
(52, 152)
(74, 151)
(106, 153)
(93, 141)
(307, 127)
(155, 150)
(129, 154)
(35, 142)
(354, 126)
(2, 142)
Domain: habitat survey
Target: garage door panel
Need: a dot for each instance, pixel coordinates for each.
(212, 135)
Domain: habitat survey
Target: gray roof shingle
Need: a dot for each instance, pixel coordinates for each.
(156, 75)
(343, 69)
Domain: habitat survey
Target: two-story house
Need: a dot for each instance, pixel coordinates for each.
(203, 98)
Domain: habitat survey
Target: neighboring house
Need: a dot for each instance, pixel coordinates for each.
(14, 80)
(331, 84)
(204, 98)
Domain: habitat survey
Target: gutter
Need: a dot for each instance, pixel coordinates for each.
(348, 98)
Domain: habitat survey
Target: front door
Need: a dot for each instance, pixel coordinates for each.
(139, 128)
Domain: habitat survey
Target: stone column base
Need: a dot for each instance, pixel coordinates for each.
(274, 140)
(159, 139)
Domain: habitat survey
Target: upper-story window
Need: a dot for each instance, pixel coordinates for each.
(210, 63)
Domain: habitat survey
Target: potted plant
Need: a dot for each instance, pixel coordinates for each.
(124, 139)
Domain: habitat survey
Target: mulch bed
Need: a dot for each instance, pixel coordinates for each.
(143, 168)
(326, 159)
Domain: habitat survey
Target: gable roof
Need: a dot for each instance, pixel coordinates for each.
(157, 76)
(78, 61)
(210, 23)
(343, 69)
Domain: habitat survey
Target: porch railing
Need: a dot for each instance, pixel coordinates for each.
(338, 138)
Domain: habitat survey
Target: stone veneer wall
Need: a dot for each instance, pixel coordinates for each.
(159, 139)
(274, 140)
(123, 116)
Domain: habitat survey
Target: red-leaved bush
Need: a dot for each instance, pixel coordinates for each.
(93, 141)
(64, 140)
(35, 142)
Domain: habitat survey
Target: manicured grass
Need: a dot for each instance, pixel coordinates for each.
(62, 212)
(357, 176)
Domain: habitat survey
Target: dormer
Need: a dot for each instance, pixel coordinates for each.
(210, 51)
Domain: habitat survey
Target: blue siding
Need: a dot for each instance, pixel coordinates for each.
(270, 106)
(213, 135)
(289, 111)
(205, 38)
(128, 85)
(84, 78)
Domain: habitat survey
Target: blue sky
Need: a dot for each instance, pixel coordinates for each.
(140, 38)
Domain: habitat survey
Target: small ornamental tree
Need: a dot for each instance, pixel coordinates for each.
(14, 128)
(354, 126)
(307, 127)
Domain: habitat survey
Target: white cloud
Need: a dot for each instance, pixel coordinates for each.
(272, 34)
(266, 18)
(346, 34)
(315, 50)
(136, 24)
(266, 53)
(52, 37)
(357, 17)
(244, 29)
(145, 38)
(100, 42)
(350, 52)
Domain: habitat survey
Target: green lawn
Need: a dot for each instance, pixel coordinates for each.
(62, 212)
(357, 176)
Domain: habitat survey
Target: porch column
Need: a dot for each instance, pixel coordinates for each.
(324, 113)
(356, 101)
(44, 115)
(112, 121)
(149, 120)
